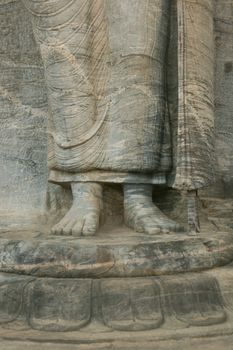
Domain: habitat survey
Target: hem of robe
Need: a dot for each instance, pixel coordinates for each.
(58, 176)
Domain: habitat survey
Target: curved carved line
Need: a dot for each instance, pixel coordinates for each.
(85, 137)
(37, 14)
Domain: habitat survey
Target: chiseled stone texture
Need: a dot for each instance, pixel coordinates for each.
(23, 104)
(135, 313)
(224, 89)
(135, 304)
(116, 255)
(23, 107)
(215, 343)
(103, 310)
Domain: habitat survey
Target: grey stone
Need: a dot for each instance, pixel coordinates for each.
(24, 202)
(12, 298)
(131, 305)
(119, 254)
(59, 305)
(128, 304)
(92, 77)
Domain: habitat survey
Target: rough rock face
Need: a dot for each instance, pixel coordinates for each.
(116, 304)
(101, 289)
(23, 106)
(23, 103)
(224, 88)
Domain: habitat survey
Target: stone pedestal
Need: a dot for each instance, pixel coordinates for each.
(119, 286)
(116, 284)
(103, 310)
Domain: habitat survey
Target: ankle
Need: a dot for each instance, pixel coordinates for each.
(137, 192)
(86, 189)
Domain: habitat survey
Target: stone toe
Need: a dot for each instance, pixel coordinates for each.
(91, 225)
(153, 230)
(151, 226)
(57, 230)
(78, 228)
(67, 230)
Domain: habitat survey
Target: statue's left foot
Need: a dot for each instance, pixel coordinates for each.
(83, 218)
(142, 215)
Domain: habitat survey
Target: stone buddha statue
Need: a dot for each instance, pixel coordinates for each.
(130, 91)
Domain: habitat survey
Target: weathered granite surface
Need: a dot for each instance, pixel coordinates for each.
(49, 291)
(23, 140)
(120, 284)
(214, 343)
(102, 312)
(118, 255)
(112, 304)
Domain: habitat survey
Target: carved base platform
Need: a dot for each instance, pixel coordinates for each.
(118, 252)
(87, 310)
(118, 285)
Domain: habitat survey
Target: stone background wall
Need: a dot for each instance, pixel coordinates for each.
(23, 118)
(23, 171)
(224, 91)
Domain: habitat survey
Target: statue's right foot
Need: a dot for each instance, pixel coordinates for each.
(84, 216)
(142, 215)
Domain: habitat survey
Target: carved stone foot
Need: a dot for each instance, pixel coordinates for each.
(142, 215)
(84, 216)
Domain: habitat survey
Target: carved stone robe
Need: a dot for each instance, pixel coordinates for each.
(130, 89)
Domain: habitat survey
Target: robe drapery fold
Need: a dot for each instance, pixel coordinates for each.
(122, 101)
(193, 107)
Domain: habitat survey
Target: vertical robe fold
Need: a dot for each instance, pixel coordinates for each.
(113, 114)
(192, 102)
